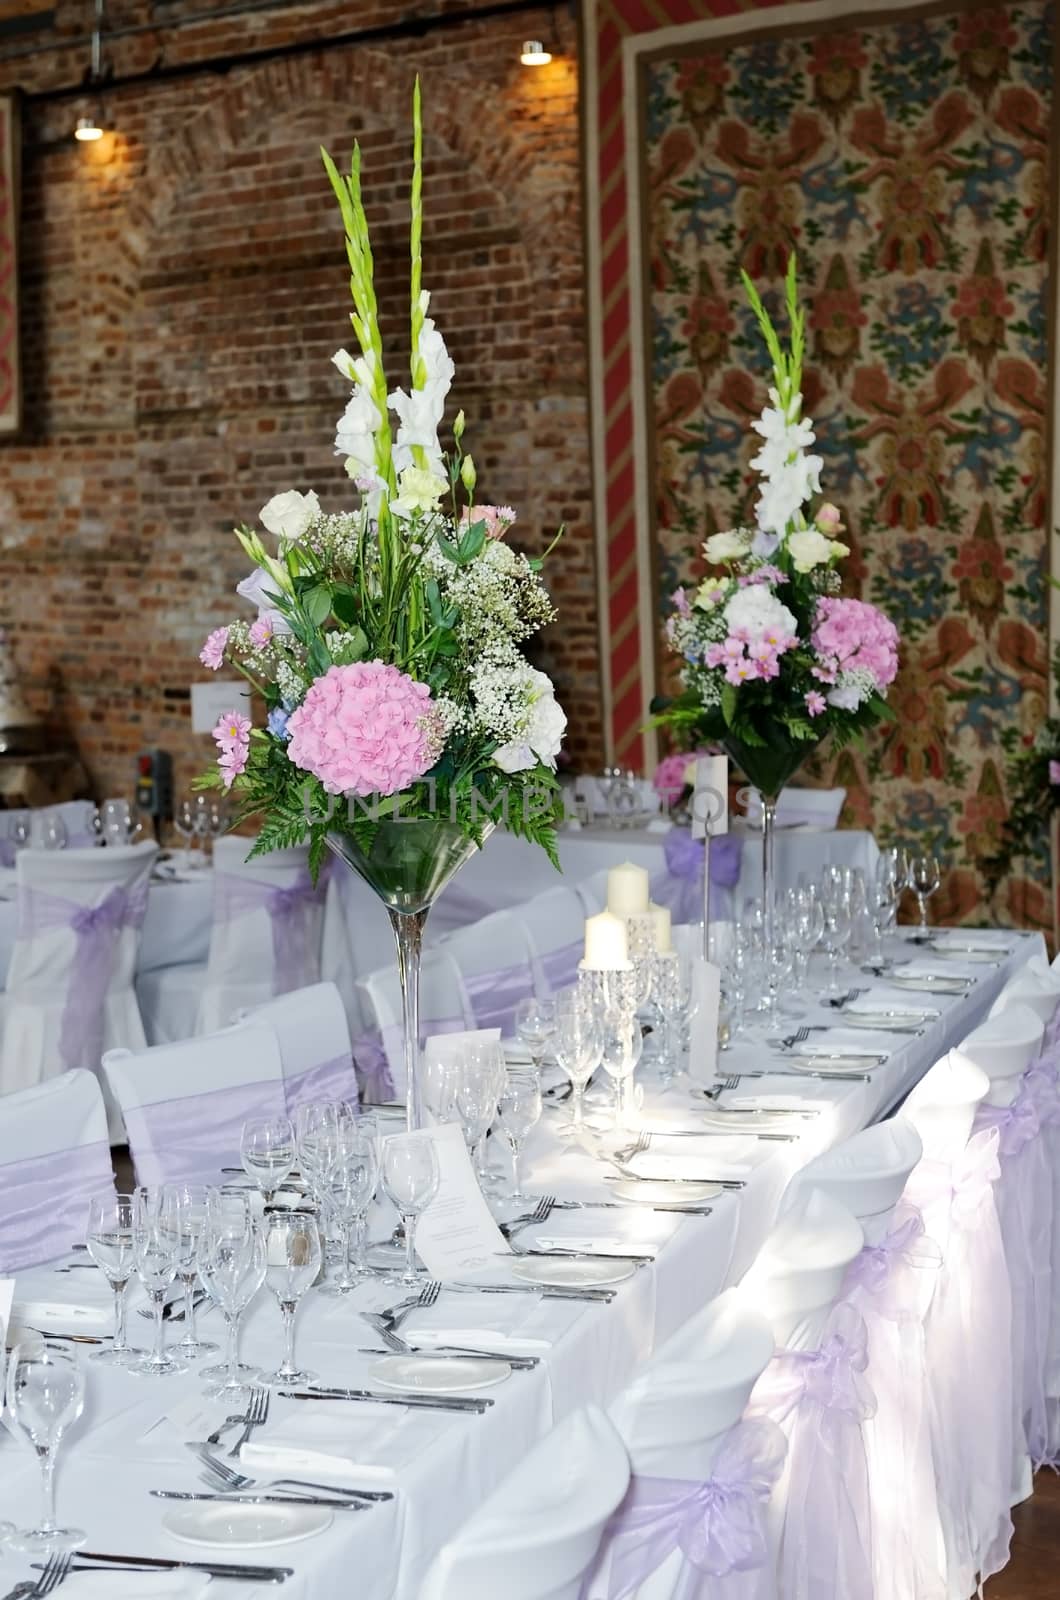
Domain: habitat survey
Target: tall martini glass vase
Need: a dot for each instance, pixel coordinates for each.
(408, 862)
(769, 767)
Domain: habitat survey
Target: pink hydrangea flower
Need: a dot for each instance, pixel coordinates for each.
(851, 635)
(498, 519)
(1054, 772)
(261, 632)
(232, 735)
(366, 729)
(815, 703)
(212, 654)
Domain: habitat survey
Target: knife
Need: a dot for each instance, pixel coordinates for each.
(263, 1499)
(604, 1296)
(446, 1352)
(415, 1401)
(216, 1569)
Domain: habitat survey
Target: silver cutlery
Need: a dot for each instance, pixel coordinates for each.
(55, 1570)
(238, 1481)
(626, 1171)
(216, 1569)
(546, 1292)
(396, 1315)
(415, 1401)
(561, 1253)
(788, 1072)
(77, 1266)
(220, 1496)
(398, 1346)
(540, 1213)
(74, 1338)
(257, 1414)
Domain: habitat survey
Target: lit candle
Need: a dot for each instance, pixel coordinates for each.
(605, 943)
(660, 918)
(627, 890)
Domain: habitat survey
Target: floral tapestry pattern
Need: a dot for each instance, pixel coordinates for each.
(907, 164)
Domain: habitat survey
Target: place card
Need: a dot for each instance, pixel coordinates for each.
(456, 1234)
(710, 797)
(703, 1034)
(7, 1296)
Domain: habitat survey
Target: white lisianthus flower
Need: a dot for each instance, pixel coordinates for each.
(729, 546)
(258, 587)
(543, 737)
(290, 515)
(418, 490)
(760, 612)
(808, 548)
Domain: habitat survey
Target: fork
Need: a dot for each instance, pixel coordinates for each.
(237, 1481)
(229, 1422)
(257, 1413)
(837, 1002)
(540, 1213)
(55, 1570)
(426, 1297)
(398, 1345)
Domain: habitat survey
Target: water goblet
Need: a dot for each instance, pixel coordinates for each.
(834, 937)
(52, 832)
(159, 1245)
(292, 1256)
(21, 830)
(475, 1093)
(232, 1268)
(578, 1048)
(266, 1148)
(315, 1126)
(535, 1023)
(45, 1393)
(519, 1110)
(189, 1201)
(111, 1240)
(410, 1181)
(348, 1184)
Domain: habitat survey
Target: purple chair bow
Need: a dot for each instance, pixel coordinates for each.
(328, 1080)
(293, 916)
(1017, 1124)
(97, 929)
(680, 887)
(718, 1525)
(881, 1270)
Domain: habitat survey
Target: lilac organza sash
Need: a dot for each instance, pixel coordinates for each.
(97, 930)
(822, 1397)
(560, 967)
(189, 1140)
(495, 995)
(294, 916)
(328, 1080)
(680, 887)
(885, 1273)
(718, 1525)
(42, 1202)
(374, 1078)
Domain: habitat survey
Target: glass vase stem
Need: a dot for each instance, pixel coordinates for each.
(408, 932)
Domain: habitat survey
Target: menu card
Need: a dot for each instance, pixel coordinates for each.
(456, 1234)
(703, 1035)
(7, 1295)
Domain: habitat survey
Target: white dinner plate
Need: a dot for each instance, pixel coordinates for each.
(889, 1018)
(826, 1066)
(574, 1274)
(749, 1121)
(438, 1374)
(928, 982)
(244, 1526)
(671, 1192)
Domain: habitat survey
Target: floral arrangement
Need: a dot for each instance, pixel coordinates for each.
(774, 659)
(387, 643)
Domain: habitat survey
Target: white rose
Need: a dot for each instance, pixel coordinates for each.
(289, 515)
(727, 546)
(544, 736)
(809, 548)
(760, 612)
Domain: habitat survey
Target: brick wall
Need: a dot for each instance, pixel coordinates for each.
(183, 289)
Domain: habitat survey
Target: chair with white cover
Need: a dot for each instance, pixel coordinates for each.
(265, 940)
(536, 1535)
(54, 1155)
(185, 1104)
(816, 1390)
(496, 964)
(314, 1039)
(379, 1053)
(1035, 988)
(592, 891)
(969, 1323)
(555, 928)
(693, 1523)
(1004, 1046)
(70, 981)
(890, 1284)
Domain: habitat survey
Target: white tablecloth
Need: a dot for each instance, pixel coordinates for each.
(104, 1478)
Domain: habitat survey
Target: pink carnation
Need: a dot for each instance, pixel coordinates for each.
(669, 778)
(261, 632)
(232, 734)
(815, 703)
(366, 729)
(212, 653)
(498, 519)
(681, 602)
(851, 635)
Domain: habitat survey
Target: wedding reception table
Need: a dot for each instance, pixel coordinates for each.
(124, 1446)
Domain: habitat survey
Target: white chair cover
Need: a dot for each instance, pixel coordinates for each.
(379, 1053)
(798, 1273)
(555, 929)
(314, 1040)
(693, 1526)
(535, 1536)
(592, 892)
(1038, 989)
(865, 1173)
(1004, 1046)
(70, 982)
(54, 1154)
(185, 1104)
(968, 1330)
(496, 964)
(1042, 1086)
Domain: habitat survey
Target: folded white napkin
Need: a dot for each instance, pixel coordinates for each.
(514, 1323)
(346, 1441)
(924, 966)
(86, 1314)
(855, 1041)
(137, 1585)
(693, 1160)
(880, 998)
(589, 1244)
(976, 938)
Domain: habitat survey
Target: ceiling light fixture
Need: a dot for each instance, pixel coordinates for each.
(534, 54)
(89, 125)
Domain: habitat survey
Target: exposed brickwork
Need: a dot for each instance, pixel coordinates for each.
(184, 287)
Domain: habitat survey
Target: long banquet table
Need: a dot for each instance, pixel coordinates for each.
(122, 1447)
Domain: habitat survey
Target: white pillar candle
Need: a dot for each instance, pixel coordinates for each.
(660, 917)
(627, 890)
(605, 943)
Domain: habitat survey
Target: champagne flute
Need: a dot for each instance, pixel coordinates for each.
(292, 1262)
(189, 1201)
(158, 1243)
(111, 1241)
(925, 876)
(266, 1148)
(232, 1268)
(45, 1393)
(519, 1109)
(410, 1181)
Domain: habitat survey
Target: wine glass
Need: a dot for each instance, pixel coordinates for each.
(189, 1201)
(52, 832)
(111, 1241)
(315, 1126)
(292, 1256)
(184, 824)
(475, 1093)
(535, 1023)
(158, 1244)
(834, 937)
(925, 876)
(266, 1149)
(232, 1268)
(21, 831)
(410, 1181)
(348, 1183)
(114, 815)
(623, 1046)
(519, 1111)
(45, 1393)
(577, 1048)
(438, 1087)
